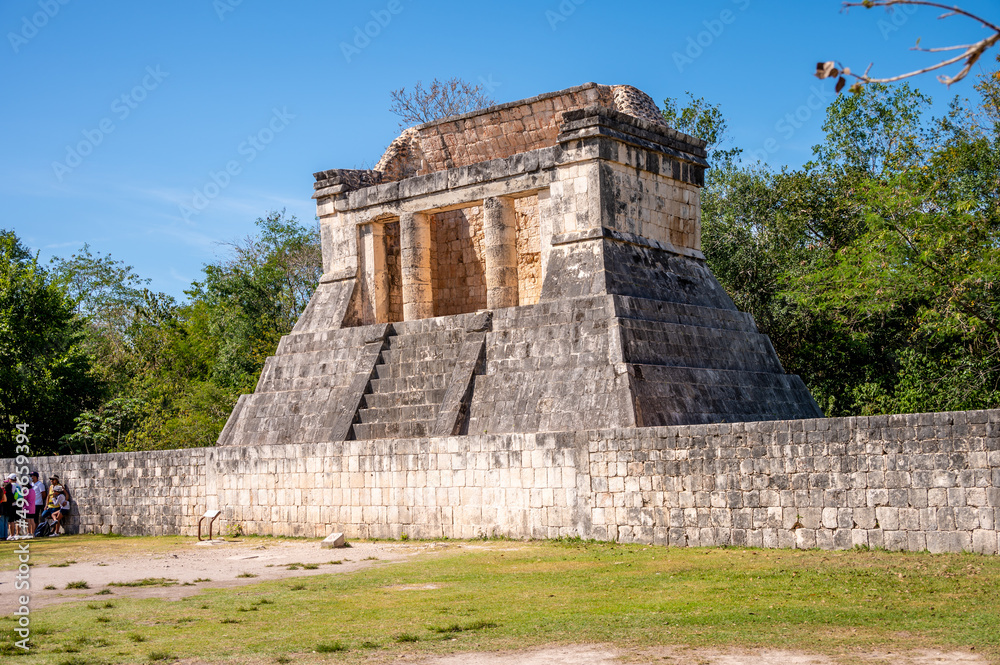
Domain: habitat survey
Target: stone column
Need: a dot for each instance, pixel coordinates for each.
(415, 250)
(500, 234)
(374, 270)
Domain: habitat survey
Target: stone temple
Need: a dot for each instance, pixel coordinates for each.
(514, 301)
(532, 267)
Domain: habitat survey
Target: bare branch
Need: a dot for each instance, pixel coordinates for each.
(970, 52)
(442, 99)
(943, 48)
(869, 4)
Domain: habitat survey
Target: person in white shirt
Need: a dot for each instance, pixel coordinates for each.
(39, 507)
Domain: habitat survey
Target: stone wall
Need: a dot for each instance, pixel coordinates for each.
(152, 493)
(529, 250)
(655, 207)
(503, 131)
(913, 482)
(459, 267)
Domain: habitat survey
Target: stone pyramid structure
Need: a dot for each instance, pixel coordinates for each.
(535, 266)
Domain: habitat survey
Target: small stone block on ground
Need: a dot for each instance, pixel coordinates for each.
(333, 540)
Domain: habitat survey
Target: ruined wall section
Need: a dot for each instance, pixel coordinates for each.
(503, 130)
(459, 267)
(497, 132)
(529, 250)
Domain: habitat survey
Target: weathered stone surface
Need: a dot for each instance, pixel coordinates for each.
(334, 540)
(583, 235)
(762, 484)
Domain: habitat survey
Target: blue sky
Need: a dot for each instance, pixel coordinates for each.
(118, 115)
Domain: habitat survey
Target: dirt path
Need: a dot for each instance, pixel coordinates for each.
(603, 655)
(215, 565)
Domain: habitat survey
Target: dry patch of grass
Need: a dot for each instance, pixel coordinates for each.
(147, 581)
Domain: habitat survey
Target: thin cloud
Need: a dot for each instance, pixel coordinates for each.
(71, 243)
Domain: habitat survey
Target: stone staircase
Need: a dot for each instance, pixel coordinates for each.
(420, 385)
(577, 363)
(309, 376)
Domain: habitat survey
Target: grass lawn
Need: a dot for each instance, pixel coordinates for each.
(512, 595)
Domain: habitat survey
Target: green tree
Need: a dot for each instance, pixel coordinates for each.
(175, 371)
(874, 267)
(706, 121)
(256, 295)
(111, 299)
(110, 427)
(926, 263)
(45, 377)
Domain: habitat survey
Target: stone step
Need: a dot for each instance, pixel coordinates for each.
(287, 423)
(713, 377)
(394, 355)
(563, 362)
(685, 395)
(433, 338)
(314, 383)
(284, 436)
(457, 323)
(426, 412)
(317, 357)
(411, 429)
(292, 367)
(410, 383)
(660, 343)
(403, 398)
(628, 307)
(414, 369)
(583, 329)
(326, 341)
(554, 313)
(319, 395)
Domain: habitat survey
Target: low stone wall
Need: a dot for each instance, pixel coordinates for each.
(155, 493)
(914, 482)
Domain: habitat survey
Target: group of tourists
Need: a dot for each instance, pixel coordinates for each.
(31, 509)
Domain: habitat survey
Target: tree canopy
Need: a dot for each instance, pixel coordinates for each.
(154, 373)
(874, 268)
(45, 374)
